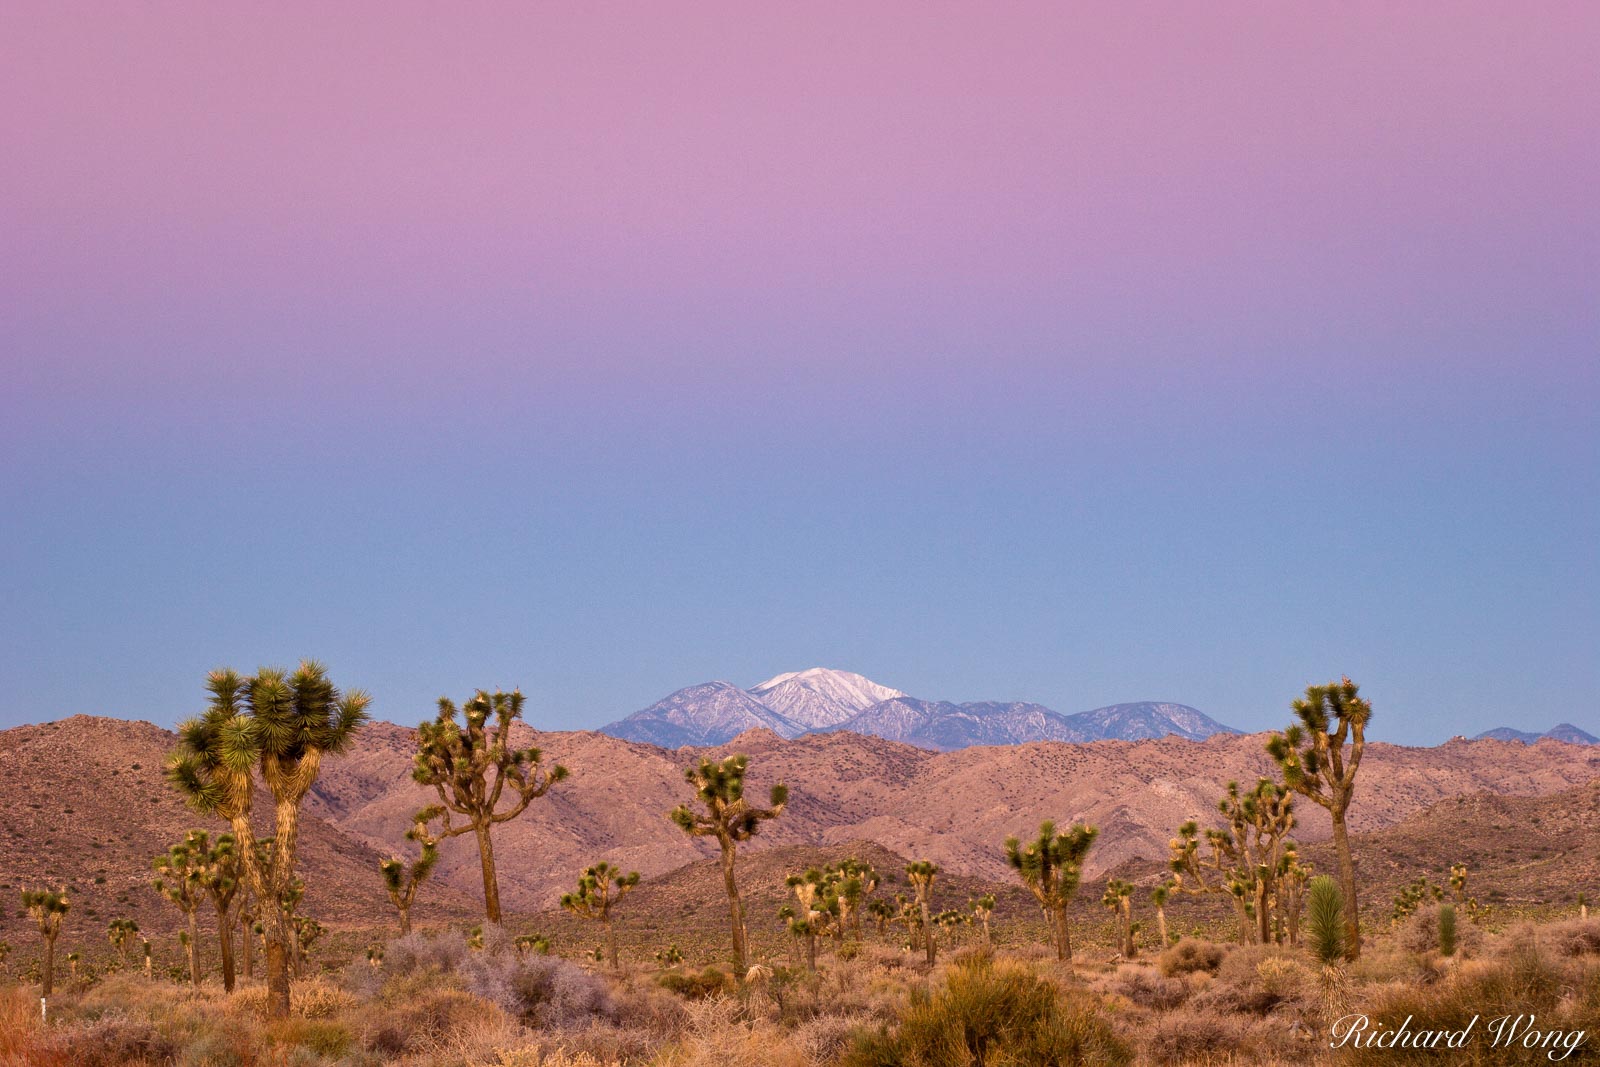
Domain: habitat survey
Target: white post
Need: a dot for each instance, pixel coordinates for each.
(44, 1016)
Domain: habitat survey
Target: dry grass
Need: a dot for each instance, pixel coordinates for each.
(434, 1004)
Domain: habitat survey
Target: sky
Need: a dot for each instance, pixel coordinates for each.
(1069, 353)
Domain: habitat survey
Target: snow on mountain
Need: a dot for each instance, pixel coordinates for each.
(824, 700)
(706, 714)
(819, 698)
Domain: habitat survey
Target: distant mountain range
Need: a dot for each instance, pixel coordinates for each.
(821, 700)
(1563, 732)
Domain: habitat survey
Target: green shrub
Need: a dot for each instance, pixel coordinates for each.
(1447, 930)
(1325, 920)
(697, 986)
(989, 1013)
(1190, 955)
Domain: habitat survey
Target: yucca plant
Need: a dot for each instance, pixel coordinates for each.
(730, 819)
(601, 888)
(1051, 866)
(1447, 929)
(1325, 933)
(402, 879)
(671, 956)
(121, 932)
(273, 730)
(179, 879)
(470, 764)
(1312, 757)
(148, 960)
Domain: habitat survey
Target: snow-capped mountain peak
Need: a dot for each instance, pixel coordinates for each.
(821, 697)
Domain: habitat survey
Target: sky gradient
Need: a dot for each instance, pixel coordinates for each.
(1077, 354)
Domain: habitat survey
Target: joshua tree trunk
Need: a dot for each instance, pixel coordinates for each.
(1263, 913)
(247, 943)
(811, 952)
(1347, 885)
(1063, 932)
(194, 948)
(741, 960)
(405, 919)
(1161, 924)
(47, 980)
(611, 945)
(276, 951)
(491, 886)
(929, 943)
(987, 939)
(225, 944)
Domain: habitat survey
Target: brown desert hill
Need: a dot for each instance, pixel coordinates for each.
(84, 799)
(952, 807)
(83, 803)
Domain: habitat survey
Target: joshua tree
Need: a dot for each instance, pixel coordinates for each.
(821, 908)
(671, 956)
(222, 875)
(469, 764)
(72, 963)
(600, 888)
(121, 933)
(728, 817)
(1246, 853)
(1311, 754)
(1119, 898)
(1293, 874)
(1158, 897)
(48, 908)
(1413, 895)
(180, 878)
(950, 921)
(982, 908)
(148, 962)
(1583, 907)
(921, 875)
(859, 880)
(277, 726)
(1051, 867)
(306, 931)
(401, 879)
(883, 913)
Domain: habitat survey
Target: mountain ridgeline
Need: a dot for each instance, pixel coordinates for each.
(821, 700)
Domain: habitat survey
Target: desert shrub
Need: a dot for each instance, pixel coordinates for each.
(1149, 990)
(824, 1038)
(425, 1021)
(111, 1040)
(992, 1013)
(1190, 955)
(1259, 979)
(1185, 1036)
(1419, 933)
(690, 986)
(1520, 982)
(321, 1036)
(544, 991)
(1574, 937)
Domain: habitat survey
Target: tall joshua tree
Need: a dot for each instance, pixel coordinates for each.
(48, 908)
(921, 875)
(275, 728)
(600, 888)
(402, 879)
(222, 875)
(1051, 866)
(982, 909)
(1312, 756)
(728, 817)
(1118, 897)
(121, 932)
(470, 764)
(1158, 897)
(180, 875)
